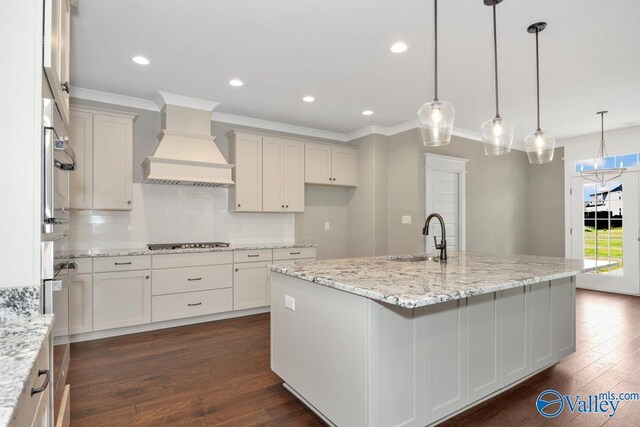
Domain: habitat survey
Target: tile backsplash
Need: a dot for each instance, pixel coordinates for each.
(176, 214)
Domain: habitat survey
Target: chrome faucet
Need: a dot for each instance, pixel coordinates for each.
(442, 246)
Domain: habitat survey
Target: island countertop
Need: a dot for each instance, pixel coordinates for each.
(417, 284)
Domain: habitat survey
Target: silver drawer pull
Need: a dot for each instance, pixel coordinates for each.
(253, 256)
(294, 253)
(44, 385)
(192, 305)
(194, 279)
(122, 263)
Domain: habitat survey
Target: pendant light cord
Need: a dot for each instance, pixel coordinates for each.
(538, 78)
(435, 62)
(495, 59)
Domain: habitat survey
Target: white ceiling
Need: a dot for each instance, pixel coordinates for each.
(338, 51)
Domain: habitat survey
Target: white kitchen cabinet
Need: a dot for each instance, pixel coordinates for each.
(81, 304)
(514, 319)
(331, 165)
(251, 285)
(541, 345)
(245, 152)
(282, 175)
(483, 343)
(563, 321)
(121, 299)
(445, 351)
(81, 141)
(112, 166)
(191, 304)
(103, 143)
(56, 40)
(33, 409)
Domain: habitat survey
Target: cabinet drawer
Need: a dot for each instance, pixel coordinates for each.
(191, 260)
(293, 253)
(83, 265)
(190, 279)
(252, 256)
(28, 404)
(121, 263)
(189, 304)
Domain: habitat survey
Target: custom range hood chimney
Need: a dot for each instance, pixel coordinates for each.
(187, 153)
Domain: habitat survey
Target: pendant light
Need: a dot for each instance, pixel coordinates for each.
(497, 133)
(435, 119)
(600, 174)
(539, 145)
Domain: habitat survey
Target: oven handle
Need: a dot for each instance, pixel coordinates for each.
(62, 144)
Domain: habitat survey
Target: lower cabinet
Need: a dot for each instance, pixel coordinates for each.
(251, 285)
(81, 304)
(483, 343)
(34, 404)
(121, 299)
(189, 304)
(540, 320)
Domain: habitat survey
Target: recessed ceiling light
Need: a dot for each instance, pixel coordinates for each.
(398, 47)
(367, 112)
(140, 60)
(236, 82)
(308, 99)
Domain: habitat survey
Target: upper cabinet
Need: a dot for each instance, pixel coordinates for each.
(245, 152)
(268, 173)
(282, 175)
(56, 51)
(103, 143)
(331, 165)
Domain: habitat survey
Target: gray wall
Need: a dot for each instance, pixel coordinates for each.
(496, 189)
(512, 207)
(545, 207)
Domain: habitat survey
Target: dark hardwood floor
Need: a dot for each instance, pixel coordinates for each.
(218, 374)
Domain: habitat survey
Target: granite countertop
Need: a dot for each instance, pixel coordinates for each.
(20, 342)
(146, 251)
(417, 284)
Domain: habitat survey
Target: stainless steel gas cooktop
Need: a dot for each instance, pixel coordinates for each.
(197, 245)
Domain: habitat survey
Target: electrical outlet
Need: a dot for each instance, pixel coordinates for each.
(327, 226)
(406, 219)
(290, 302)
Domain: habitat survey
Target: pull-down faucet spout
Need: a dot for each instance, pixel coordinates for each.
(442, 246)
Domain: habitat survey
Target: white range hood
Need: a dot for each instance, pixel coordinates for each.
(187, 153)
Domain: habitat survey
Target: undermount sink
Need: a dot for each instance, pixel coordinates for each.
(420, 258)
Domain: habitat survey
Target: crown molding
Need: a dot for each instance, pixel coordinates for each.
(164, 98)
(277, 126)
(113, 98)
(203, 104)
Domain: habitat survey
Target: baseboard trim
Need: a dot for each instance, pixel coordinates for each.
(88, 336)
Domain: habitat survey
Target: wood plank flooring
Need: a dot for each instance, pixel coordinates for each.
(218, 374)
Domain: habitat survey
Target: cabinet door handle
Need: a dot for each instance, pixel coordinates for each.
(146, 277)
(253, 256)
(294, 253)
(44, 385)
(194, 279)
(334, 179)
(283, 206)
(238, 204)
(193, 305)
(122, 263)
(286, 206)
(330, 179)
(236, 270)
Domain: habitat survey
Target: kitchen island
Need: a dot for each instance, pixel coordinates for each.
(390, 341)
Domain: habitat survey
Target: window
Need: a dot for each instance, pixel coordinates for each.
(626, 161)
(603, 207)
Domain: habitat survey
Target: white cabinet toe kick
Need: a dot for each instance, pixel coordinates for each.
(360, 362)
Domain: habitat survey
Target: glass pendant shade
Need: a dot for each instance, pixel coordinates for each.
(435, 120)
(540, 147)
(497, 135)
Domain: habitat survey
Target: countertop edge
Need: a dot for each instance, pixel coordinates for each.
(429, 300)
(145, 251)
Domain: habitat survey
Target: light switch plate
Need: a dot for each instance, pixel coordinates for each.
(327, 226)
(406, 219)
(290, 302)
